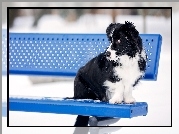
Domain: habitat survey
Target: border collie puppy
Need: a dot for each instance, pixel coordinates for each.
(112, 75)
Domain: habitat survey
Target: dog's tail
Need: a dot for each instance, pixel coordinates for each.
(81, 121)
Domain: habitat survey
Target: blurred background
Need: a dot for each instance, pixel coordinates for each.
(157, 94)
(36, 19)
(83, 20)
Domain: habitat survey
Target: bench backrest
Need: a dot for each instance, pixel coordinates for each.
(64, 54)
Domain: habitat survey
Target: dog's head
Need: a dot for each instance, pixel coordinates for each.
(124, 40)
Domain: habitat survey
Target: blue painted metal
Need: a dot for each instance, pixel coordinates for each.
(64, 54)
(78, 107)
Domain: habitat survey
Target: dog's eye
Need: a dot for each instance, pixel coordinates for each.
(117, 53)
(117, 42)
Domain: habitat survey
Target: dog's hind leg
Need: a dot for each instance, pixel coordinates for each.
(82, 91)
(80, 88)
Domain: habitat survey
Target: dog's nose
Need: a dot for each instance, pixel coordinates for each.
(108, 53)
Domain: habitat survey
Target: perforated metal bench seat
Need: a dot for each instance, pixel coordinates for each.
(63, 55)
(81, 107)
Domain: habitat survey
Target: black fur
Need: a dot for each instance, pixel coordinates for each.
(89, 80)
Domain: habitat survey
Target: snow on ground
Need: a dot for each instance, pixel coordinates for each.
(156, 93)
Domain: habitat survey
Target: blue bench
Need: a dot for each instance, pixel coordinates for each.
(62, 55)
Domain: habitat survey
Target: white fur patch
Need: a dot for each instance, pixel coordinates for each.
(143, 54)
(115, 96)
(129, 72)
(113, 56)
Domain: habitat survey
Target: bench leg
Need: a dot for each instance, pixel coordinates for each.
(81, 130)
(103, 130)
(95, 130)
(102, 121)
(98, 121)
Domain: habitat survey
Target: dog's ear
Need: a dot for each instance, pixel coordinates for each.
(131, 30)
(110, 30)
(132, 33)
(129, 24)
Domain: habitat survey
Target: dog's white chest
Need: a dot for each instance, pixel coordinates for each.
(129, 70)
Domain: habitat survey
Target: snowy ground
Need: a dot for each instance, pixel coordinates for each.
(156, 93)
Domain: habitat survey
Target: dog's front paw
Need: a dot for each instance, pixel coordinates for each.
(129, 100)
(115, 100)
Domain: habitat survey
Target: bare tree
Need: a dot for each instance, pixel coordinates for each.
(113, 15)
(38, 13)
(144, 14)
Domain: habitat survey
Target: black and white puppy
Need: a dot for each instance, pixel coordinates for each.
(112, 75)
